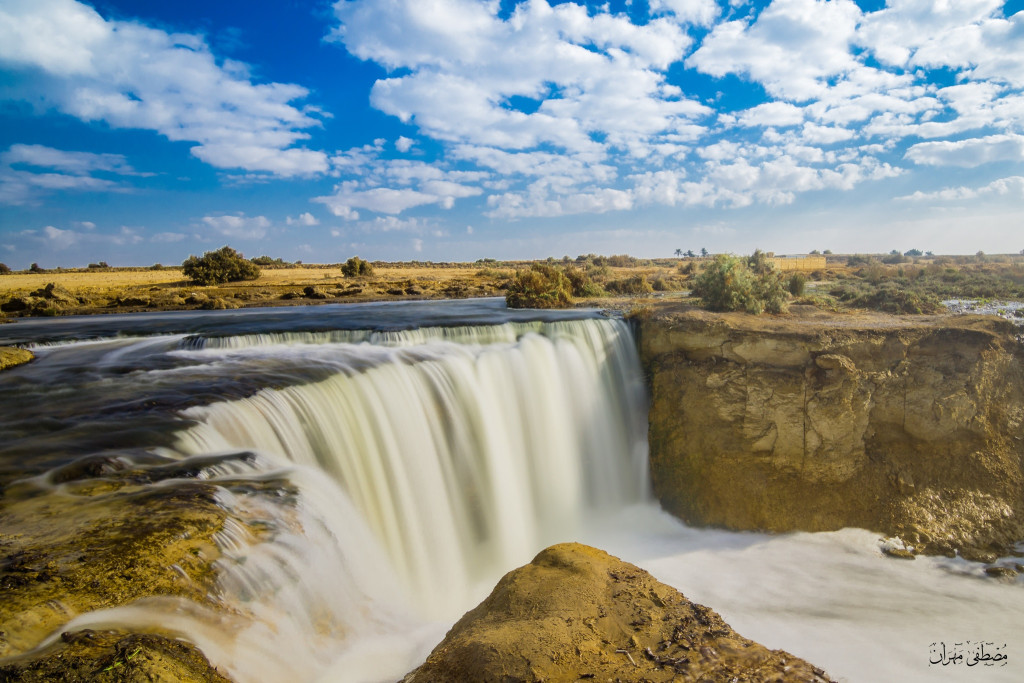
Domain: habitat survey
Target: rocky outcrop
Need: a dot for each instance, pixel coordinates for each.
(910, 426)
(113, 656)
(578, 613)
(11, 356)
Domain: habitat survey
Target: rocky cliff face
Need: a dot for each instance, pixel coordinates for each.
(911, 426)
(577, 613)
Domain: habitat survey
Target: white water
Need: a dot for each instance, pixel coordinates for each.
(425, 468)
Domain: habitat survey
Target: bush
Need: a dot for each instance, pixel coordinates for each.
(581, 283)
(267, 262)
(889, 297)
(729, 284)
(797, 284)
(637, 284)
(218, 267)
(541, 286)
(4, 269)
(356, 266)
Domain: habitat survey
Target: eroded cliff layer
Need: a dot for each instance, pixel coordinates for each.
(576, 612)
(910, 426)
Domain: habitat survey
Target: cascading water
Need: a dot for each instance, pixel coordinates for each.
(463, 458)
(376, 482)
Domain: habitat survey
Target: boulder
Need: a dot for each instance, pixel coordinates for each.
(11, 356)
(576, 612)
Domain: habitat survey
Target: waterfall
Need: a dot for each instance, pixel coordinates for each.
(464, 450)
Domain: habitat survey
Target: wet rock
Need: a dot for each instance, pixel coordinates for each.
(11, 356)
(576, 612)
(113, 656)
(1001, 572)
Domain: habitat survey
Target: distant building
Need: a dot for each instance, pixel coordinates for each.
(798, 263)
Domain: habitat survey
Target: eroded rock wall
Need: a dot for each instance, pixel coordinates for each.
(909, 426)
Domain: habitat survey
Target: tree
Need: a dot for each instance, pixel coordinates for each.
(356, 266)
(704, 252)
(34, 268)
(218, 267)
(689, 253)
(679, 252)
(913, 252)
(4, 269)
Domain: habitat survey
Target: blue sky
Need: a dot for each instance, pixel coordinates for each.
(138, 132)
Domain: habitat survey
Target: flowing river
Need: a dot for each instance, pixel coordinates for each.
(404, 456)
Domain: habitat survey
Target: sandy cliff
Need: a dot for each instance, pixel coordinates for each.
(910, 426)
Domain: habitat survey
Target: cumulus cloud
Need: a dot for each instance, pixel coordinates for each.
(304, 219)
(129, 75)
(554, 109)
(584, 74)
(392, 186)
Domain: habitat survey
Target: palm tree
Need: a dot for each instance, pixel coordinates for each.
(679, 252)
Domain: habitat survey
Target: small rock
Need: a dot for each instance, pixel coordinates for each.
(1001, 572)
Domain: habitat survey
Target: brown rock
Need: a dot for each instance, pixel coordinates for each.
(112, 656)
(576, 612)
(11, 356)
(910, 426)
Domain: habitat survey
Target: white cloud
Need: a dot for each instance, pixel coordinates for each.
(792, 48)
(699, 12)
(75, 163)
(305, 219)
(587, 74)
(168, 237)
(392, 186)
(404, 144)
(129, 75)
(30, 172)
(60, 239)
(970, 152)
(772, 114)
(238, 225)
(1012, 186)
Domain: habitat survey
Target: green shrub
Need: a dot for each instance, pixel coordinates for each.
(540, 286)
(356, 266)
(797, 284)
(729, 284)
(218, 267)
(267, 262)
(582, 284)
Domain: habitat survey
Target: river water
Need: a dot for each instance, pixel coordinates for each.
(424, 449)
